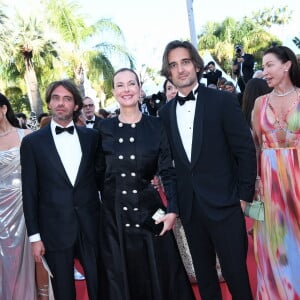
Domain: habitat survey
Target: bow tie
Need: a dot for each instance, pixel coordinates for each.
(182, 100)
(69, 129)
(89, 122)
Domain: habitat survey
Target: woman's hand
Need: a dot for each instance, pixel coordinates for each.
(156, 182)
(38, 250)
(243, 205)
(169, 222)
(258, 189)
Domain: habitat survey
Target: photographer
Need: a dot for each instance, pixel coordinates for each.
(242, 67)
(153, 103)
(211, 73)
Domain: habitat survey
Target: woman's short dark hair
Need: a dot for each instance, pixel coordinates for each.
(211, 63)
(41, 116)
(68, 85)
(10, 115)
(285, 54)
(123, 70)
(194, 55)
(230, 83)
(103, 112)
(165, 84)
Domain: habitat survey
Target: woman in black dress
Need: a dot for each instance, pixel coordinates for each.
(141, 258)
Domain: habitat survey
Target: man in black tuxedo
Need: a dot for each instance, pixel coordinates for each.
(88, 110)
(243, 66)
(60, 192)
(212, 74)
(215, 164)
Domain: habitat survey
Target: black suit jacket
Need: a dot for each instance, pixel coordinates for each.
(213, 77)
(223, 162)
(52, 206)
(247, 67)
(97, 122)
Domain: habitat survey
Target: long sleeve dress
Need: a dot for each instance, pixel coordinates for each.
(277, 239)
(137, 263)
(17, 269)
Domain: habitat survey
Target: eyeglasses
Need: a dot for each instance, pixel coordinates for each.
(88, 106)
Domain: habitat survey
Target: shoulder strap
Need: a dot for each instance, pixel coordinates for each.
(20, 133)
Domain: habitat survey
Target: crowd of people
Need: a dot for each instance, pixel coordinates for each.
(127, 194)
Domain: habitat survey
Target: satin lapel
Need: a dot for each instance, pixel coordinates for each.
(175, 134)
(85, 148)
(48, 142)
(198, 126)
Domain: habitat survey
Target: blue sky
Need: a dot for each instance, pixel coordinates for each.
(149, 25)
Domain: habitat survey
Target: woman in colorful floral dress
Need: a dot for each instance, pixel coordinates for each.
(276, 128)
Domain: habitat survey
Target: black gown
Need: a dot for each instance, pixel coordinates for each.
(138, 265)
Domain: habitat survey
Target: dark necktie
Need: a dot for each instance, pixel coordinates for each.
(69, 129)
(89, 122)
(182, 100)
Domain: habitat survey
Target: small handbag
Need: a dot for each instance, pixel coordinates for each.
(255, 210)
(150, 224)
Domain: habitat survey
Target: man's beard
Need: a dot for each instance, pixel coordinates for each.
(63, 118)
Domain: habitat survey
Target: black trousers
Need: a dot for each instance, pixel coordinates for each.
(241, 83)
(61, 264)
(226, 238)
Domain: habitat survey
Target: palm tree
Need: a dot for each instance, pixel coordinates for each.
(29, 53)
(296, 41)
(220, 38)
(18, 101)
(5, 31)
(94, 63)
(3, 19)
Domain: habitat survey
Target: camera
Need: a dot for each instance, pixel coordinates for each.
(238, 51)
(206, 68)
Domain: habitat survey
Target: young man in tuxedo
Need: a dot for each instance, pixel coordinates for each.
(61, 203)
(243, 66)
(212, 74)
(215, 163)
(88, 110)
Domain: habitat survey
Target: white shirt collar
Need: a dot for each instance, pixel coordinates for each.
(53, 124)
(195, 91)
(92, 119)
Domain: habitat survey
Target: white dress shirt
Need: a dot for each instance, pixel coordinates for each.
(69, 150)
(185, 115)
(90, 125)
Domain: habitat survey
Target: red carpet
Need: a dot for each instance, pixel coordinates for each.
(82, 292)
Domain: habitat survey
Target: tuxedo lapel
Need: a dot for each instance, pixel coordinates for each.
(48, 142)
(97, 121)
(175, 133)
(85, 149)
(198, 126)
